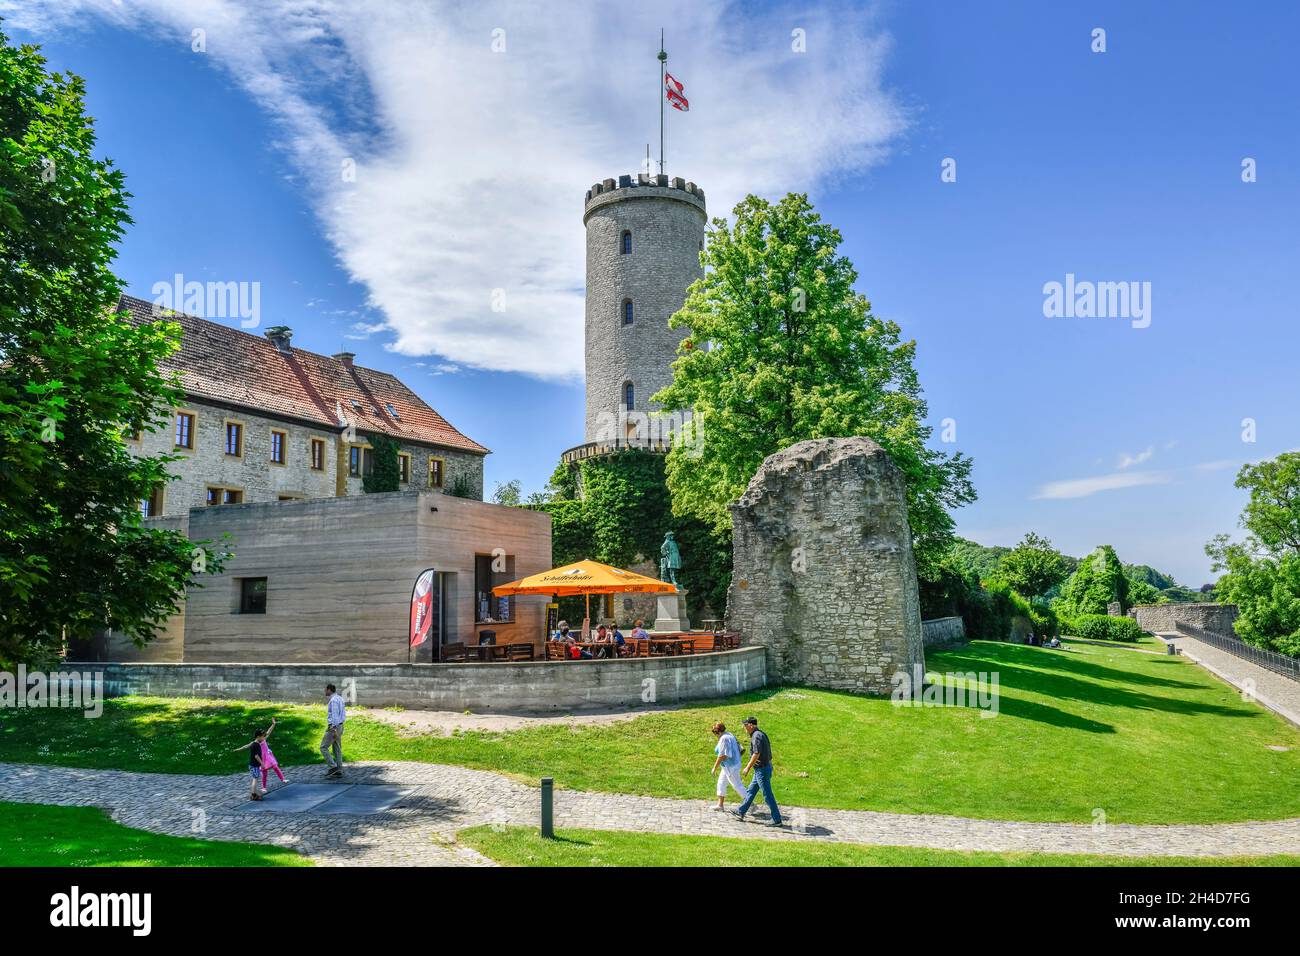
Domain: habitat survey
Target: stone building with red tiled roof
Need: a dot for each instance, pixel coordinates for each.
(264, 421)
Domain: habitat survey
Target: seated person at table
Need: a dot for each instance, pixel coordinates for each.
(603, 637)
(562, 632)
(620, 643)
(639, 633)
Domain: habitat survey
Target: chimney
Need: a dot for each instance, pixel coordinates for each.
(280, 336)
(345, 357)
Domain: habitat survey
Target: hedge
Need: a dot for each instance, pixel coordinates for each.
(1103, 627)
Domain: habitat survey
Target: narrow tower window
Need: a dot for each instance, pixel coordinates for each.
(627, 311)
(627, 395)
(625, 246)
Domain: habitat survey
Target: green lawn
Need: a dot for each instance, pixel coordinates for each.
(1144, 738)
(35, 835)
(523, 846)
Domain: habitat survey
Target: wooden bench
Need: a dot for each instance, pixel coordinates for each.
(519, 652)
(557, 651)
(455, 652)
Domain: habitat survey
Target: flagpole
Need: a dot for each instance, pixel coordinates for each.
(663, 61)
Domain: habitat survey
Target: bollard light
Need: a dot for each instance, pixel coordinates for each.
(548, 796)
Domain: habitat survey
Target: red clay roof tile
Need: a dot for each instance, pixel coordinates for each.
(224, 364)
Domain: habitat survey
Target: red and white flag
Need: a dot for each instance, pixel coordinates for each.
(673, 89)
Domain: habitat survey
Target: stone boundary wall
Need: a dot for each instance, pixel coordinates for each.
(1165, 618)
(943, 631)
(513, 688)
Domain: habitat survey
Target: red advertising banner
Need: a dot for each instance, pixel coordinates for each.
(422, 607)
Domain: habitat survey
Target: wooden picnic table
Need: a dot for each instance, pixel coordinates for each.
(489, 652)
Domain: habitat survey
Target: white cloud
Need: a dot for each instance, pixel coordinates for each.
(1218, 465)
(1084, 487)
(1128, 461)
(471, 165)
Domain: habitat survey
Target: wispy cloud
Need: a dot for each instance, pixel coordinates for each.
(470, 165)
(1128, 461)
(1084, 487)
(1219, 464)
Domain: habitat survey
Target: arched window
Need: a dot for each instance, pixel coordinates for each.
(627, 395)
(627, 311)
(625, 244)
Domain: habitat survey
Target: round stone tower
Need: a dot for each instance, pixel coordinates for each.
(644, 237)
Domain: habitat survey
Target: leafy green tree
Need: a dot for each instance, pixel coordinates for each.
(385, 473)
(508, 493)
(1272, 515)
(75, 555)
(781, 349)
(1033, 567)
(1097, 581)
(1262, 573)
(1139, 592)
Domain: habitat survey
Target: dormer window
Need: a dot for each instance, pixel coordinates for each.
(625, 243)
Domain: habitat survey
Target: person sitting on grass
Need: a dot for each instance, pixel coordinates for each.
(254, 748)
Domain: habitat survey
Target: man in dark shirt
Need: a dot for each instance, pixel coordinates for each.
(760, 762)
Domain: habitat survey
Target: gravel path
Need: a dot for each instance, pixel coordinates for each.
(420, 829)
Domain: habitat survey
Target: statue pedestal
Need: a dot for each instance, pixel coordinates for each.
(670, 613)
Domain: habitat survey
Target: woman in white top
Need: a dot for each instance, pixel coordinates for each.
(727, 764)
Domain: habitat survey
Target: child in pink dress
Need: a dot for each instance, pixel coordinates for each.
(268, 759)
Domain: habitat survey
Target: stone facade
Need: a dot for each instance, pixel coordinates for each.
(665, 221)
(257, 478)
(823, 573)
(1165, 618)
(943, 632)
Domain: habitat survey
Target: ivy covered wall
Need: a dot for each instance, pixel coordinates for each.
(616, 510)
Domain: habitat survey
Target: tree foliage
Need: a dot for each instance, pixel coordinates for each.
(1033, 567)
(1262, 573)
(621, 518)
(1098, 581)
(75, 554)
(781, 349)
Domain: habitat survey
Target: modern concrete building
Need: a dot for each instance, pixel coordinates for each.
(264, 421)
(329, 580)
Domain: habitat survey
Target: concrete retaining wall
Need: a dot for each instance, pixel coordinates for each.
(943, 631)
(1165, 618)
(524, 687)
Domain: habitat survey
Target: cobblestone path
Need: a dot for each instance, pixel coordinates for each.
(420, 829)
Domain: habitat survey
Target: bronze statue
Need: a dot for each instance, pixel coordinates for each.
(670, 560)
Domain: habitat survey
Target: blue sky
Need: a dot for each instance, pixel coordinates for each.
(471, 165)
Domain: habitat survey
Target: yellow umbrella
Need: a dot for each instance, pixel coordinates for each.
(588, 578)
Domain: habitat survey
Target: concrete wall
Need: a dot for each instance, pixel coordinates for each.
(539, 687)
(339, 575)
(260, 479)
(943, 631)
(1164, 618)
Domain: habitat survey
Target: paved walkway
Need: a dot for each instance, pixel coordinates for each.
(420, 829)
(1277, 693)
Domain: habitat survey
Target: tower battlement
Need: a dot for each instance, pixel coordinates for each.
(643, 185)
